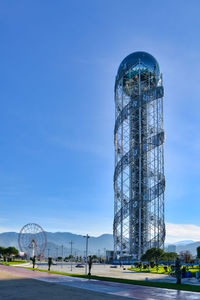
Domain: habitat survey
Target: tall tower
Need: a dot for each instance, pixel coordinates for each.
(139, 181)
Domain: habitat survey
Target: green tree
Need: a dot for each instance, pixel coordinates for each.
(172, 255)
(2, 249)
(153, 254)
(144, 257)
(11, 250)
(198, 252)
(167, 256)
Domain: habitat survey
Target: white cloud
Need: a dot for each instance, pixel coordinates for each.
(180, 232)
(8, 229)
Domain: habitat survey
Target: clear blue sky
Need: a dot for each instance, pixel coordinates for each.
(58, 61)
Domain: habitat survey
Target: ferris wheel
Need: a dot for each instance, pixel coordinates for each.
(32, 240)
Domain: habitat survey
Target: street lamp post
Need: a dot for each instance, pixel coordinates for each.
(71, 243)
(86, 260)
(99, 258)
(104, 256)
(62, 256)
(56, 253)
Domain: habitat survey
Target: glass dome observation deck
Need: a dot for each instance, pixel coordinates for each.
(144, 59)
(130, 67)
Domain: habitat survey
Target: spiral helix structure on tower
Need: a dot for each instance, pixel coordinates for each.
(139, 180)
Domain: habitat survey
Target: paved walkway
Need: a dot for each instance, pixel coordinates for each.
(108, 288)
(107, 271)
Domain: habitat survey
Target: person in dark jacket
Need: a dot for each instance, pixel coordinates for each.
(90, 265)
(49, 263)
(34, 260)
(178, 271)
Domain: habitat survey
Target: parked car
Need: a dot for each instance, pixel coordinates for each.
(79, 266)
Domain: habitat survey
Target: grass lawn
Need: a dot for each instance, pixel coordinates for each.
(194, 270)
(13, 262)
(174, 286)
(161, 270)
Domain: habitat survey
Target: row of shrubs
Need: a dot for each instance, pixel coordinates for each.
(151, 264)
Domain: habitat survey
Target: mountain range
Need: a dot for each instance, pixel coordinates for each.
(60, 241)
(192, 247)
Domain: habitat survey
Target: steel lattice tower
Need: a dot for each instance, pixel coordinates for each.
(139, 181)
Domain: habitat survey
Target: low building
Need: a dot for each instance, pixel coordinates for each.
(109, 256)
(171, 248)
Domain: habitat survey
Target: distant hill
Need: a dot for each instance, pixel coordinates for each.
(185, 245)
(55, 240)
(185, 242)
(192, 247)
(96, 244)
(9, 239)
